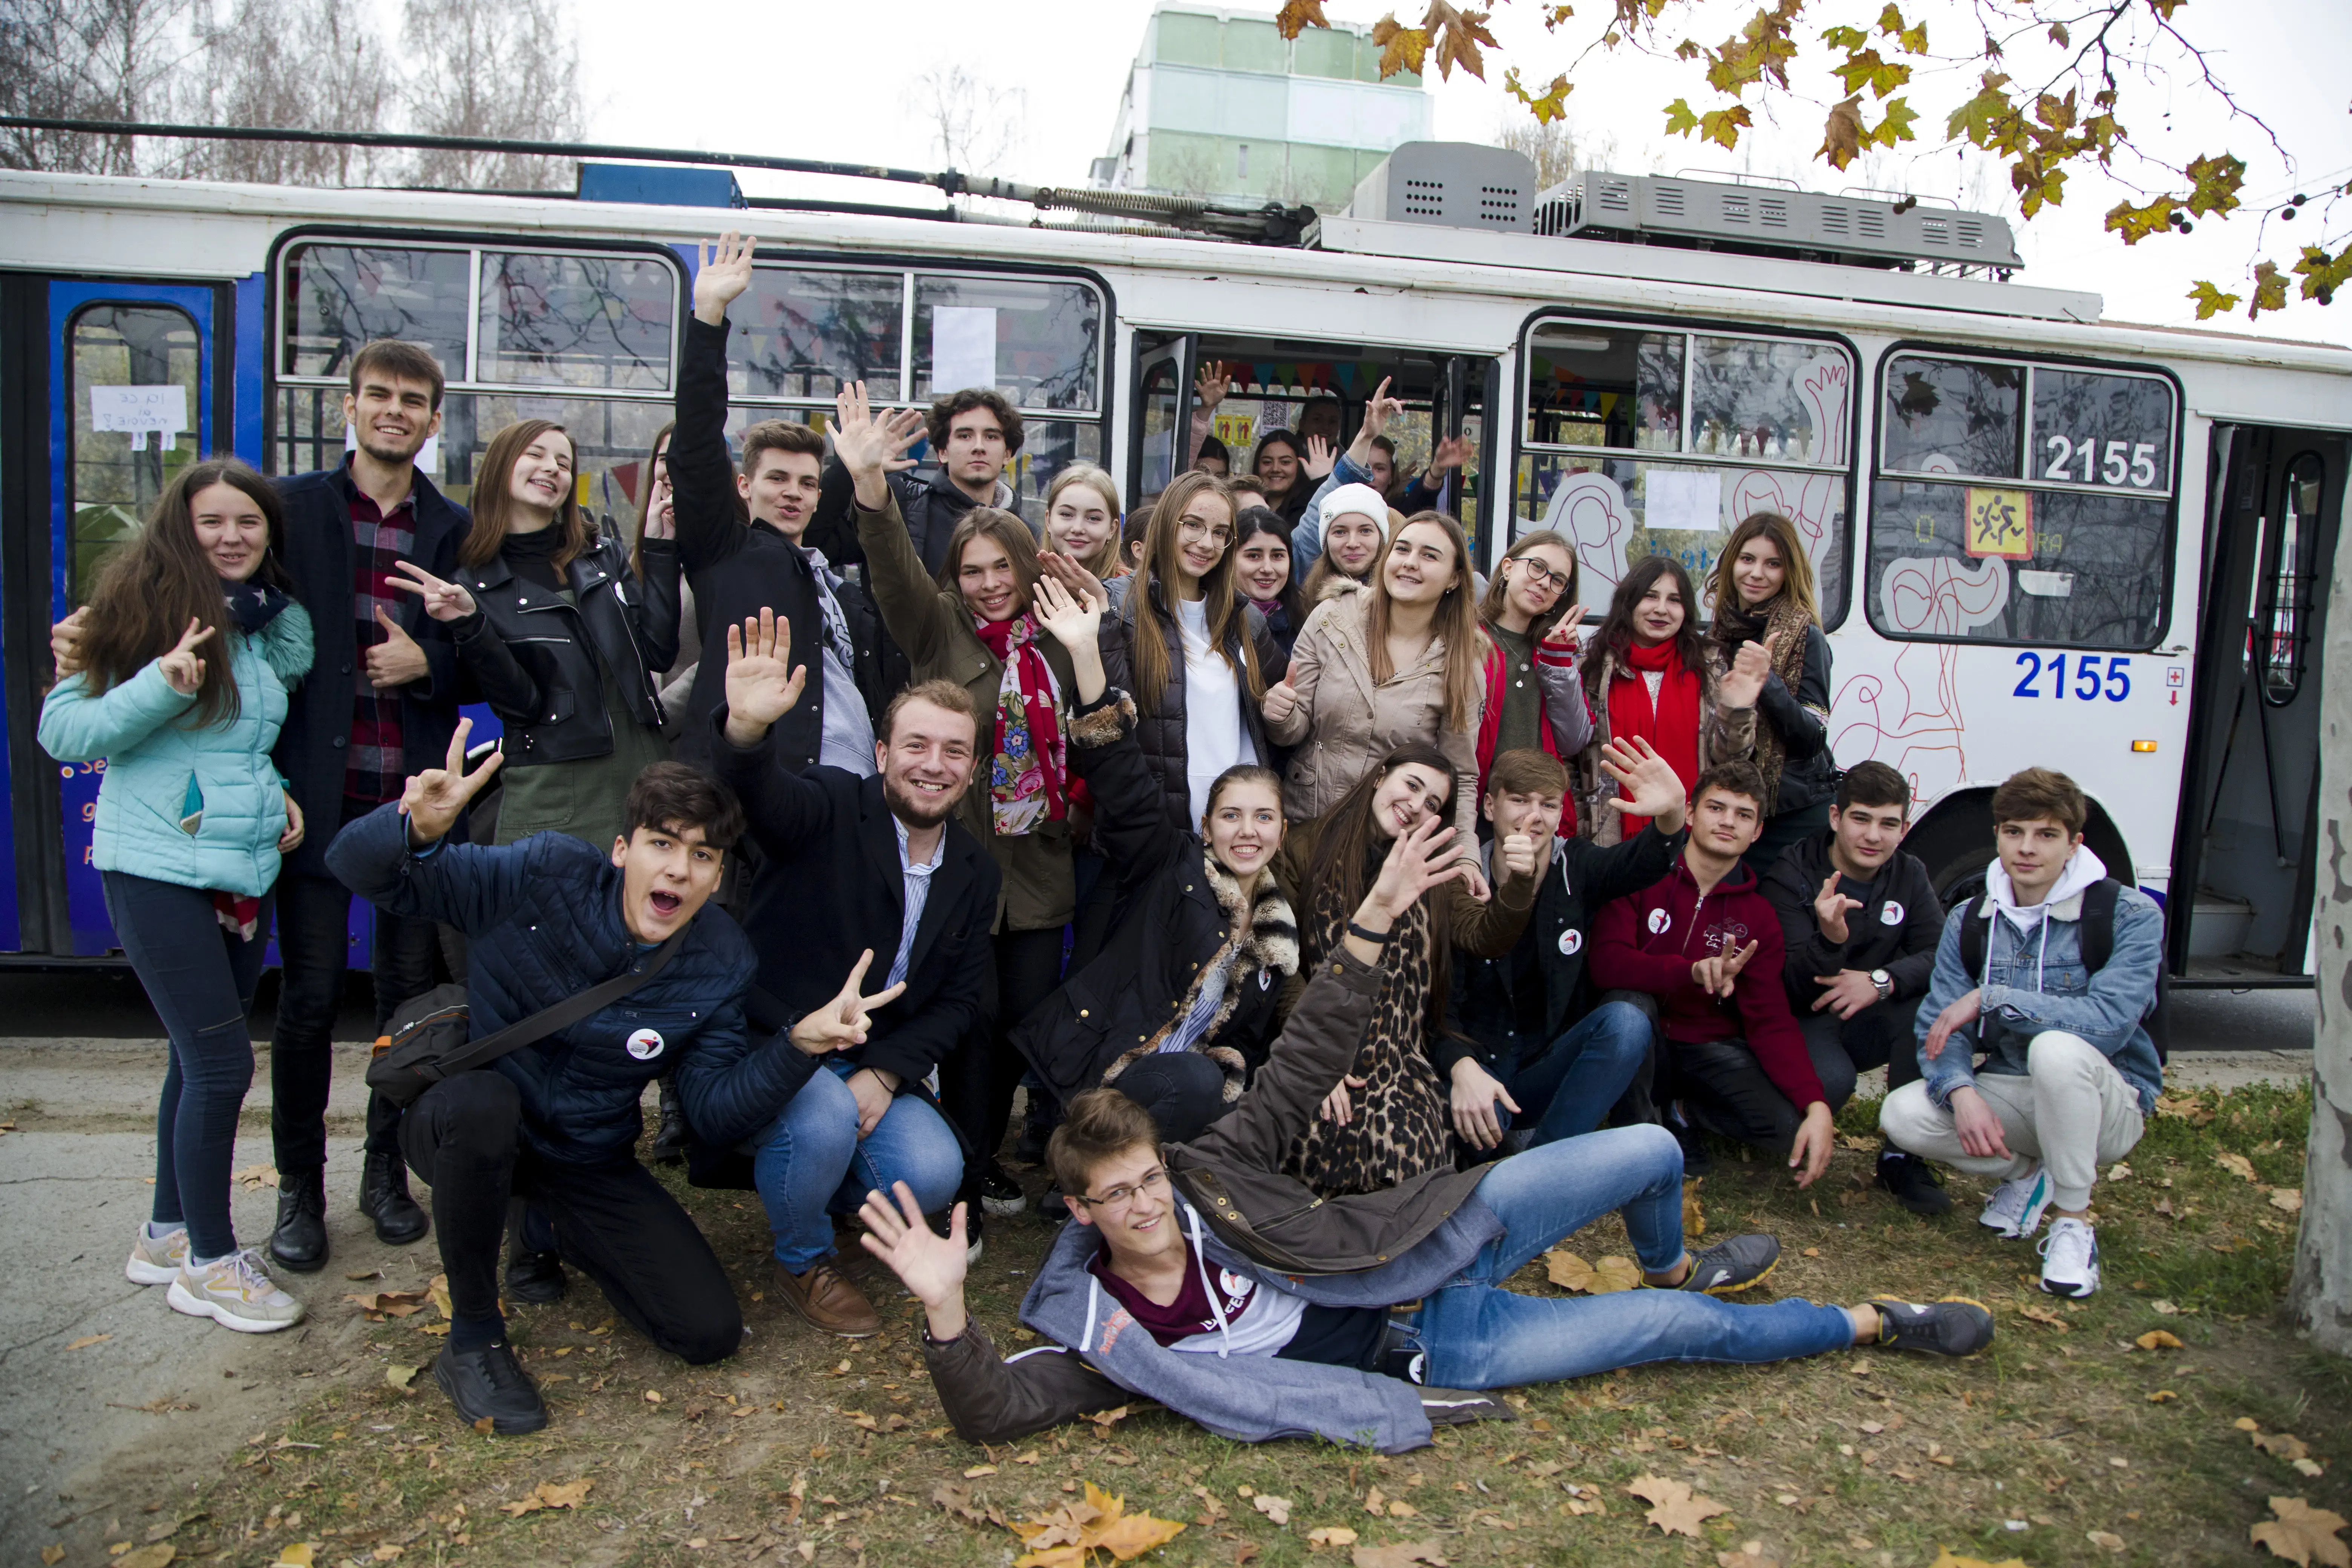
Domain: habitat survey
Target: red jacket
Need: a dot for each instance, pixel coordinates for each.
(1648, 942)
(1556, 673)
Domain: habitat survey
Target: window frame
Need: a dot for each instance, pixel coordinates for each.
(2305, 604)
(2171, 494)
(1692, 327)
(473, 247)
(67, 571)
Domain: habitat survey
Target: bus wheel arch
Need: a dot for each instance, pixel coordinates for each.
(1954, 839)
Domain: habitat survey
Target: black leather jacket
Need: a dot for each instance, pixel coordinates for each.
(534, 657)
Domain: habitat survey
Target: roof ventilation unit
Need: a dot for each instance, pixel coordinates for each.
(1659, 209)
(1454, 185)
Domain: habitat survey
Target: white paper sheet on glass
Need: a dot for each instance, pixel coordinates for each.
(963, 347)
(428, 460)
(138, 410)
(1690, 502)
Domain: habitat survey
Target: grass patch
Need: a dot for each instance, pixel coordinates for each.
(809, 1449)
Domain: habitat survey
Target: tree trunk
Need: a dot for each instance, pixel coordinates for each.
(2321, 1293)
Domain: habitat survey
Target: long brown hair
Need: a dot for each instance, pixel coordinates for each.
(1797, 584)
(1006, 528)
(654, 456)
(1347, 853)
(1490, 608)
(1616, 633)
(1105, 563)
(1455, 621)
(1227, 614)
(153, 583)
(494, 503)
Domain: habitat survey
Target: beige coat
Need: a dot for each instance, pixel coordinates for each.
(1343, 724)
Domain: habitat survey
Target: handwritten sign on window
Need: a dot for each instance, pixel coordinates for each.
(136, 410)
(2001, 524)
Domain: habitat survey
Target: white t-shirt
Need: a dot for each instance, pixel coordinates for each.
(1215, 738)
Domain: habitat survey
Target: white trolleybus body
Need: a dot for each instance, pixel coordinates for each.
(2041, 537)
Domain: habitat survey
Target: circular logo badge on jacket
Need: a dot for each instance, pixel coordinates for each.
(1235, 1286)
(1571, 941)
(1892, 914)
(1659, 920)
(645, 1045)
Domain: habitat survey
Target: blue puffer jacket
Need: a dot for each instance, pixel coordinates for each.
(2037, 981)
(160, 772)
(544, 919)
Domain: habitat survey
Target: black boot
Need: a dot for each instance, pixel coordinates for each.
(534, 1266)
(669, 1138)
(489, 1384)
(300, 1240)
(383, 1198)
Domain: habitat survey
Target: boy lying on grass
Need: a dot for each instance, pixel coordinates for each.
(1199, 1275)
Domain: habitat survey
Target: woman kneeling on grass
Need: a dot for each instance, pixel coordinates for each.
(191, 647)
(1198, 1276)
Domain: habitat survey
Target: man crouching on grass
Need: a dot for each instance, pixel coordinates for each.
(1198, 1276)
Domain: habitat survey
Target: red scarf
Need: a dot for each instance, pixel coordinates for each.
(1670, 725)
(1028, 773)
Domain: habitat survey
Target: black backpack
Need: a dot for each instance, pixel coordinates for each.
(2098, 928)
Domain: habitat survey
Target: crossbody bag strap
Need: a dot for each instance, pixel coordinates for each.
(562, 1016)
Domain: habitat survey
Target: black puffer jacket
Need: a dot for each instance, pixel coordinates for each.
(1176, 911)
(1896, 929)
(1162, 733)
(535, 658)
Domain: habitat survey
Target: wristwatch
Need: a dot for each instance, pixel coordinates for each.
(1885, 982)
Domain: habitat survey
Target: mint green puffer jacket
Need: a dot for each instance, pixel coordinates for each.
(161, 773)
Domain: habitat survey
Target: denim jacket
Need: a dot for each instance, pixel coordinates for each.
(2035, 981)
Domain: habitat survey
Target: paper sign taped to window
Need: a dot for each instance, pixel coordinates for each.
(137, 410)
(2001, 524)
(428, 459)
(1683, 503)
(963, 347)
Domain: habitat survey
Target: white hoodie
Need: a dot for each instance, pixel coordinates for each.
(2083, 869)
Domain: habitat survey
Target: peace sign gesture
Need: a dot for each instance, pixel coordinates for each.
(442, 601)
(843, 1022)
(183, 670)
(435, 798)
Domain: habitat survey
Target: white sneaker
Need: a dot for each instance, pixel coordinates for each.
(156, 1260)
(237, 1292)
(2070, 1258)
(2015, 1207)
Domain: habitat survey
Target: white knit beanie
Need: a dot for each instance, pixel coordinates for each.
(1359, 499)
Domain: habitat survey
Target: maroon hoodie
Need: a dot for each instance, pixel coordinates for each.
(1648, 942)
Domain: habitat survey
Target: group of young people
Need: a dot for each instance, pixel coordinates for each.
(1329, 899)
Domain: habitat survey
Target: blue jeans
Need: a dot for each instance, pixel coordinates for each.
(1480, 1335)
(1571, 1085)
(811, 1165)
(200, 979)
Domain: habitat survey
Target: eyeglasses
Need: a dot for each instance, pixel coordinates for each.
(1539, 575)
(1154, 1181)
(1193, 528)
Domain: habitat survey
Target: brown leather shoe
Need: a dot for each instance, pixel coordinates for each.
(828, 1301)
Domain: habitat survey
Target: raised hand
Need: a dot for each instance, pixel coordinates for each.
(872, 445)
(442, 601)
(184, 671)
(1416, 862)
(1074, 620)
(1564, 630)
(1081, 583)
(1281, 702)
(1743, 683)
(1657, 789)
(661, 513)
(65, 642)
(1379, 411)
(1515, 855)
(930, 1266)
(1829, 907)
(724, 274)
(762, 682)
(1210, 382)
(1450, 453)
(844, 1022)
(433, 798)
(1321, 458)
(1716, 972)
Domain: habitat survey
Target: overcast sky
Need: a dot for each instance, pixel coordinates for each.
(839, 81)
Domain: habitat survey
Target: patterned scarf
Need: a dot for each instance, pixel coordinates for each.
(1026, 777)
(1780, 618)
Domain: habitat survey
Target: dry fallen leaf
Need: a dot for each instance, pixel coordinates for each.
(2158, 1340)
(549, 1495)
(2282, 1445)
(1276, 1509)
(2045, 1317)
(295, 1554)
(2309, 1467)
(89, 1339)
(155, 1556)
(1749, 1555)
(399, 1377)
(957, 1499)
(2162, 1397)
(2303, 1534)
(1694, 1216)
(1098, 1522)
(1948, 1558)
(2287, 1198)
(1330, 1535)
(2105, 1540)
(1402, 1554)
(2236, 1164)
(1673, 1508)
(1107, 1418)
(1568, 1271)
(53, 1555)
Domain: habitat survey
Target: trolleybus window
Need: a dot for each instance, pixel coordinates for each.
(118, 474)
(1038, 343)
(1641, 441)
(803, 333)
(337, 296)
(2282, 643)
(1979, 533)
(576, 320)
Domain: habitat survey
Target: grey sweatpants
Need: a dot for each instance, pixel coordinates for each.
(2073, 1112)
